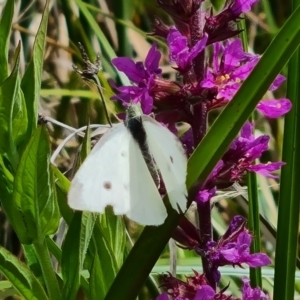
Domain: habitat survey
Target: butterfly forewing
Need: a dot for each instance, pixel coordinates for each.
(103, 178)
(171, 160)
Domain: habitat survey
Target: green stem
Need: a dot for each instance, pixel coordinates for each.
(43, 255)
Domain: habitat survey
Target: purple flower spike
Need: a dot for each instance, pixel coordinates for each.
(252, 294)
(274, 108)
(180, 51)
(140, 74)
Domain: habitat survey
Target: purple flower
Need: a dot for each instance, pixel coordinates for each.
(238, 252)
(252, 294)
(234, 248)
(238, 7)
(274, 108)
(243, 152)
(227, 73)
(180, 52)
(142, 75)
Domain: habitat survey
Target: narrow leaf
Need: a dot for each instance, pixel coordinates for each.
(20, 276)
(12, 212)
(34, 192)
(31, 82)
(115, 232)
(74, 251)
(97, 284)
(108, 266)
(13, 120)
(5, 25)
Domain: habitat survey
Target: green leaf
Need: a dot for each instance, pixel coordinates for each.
(287, 245)
(34, 191)
(49, 276)
(74, 250)
(12, 212)
(6, 289)
(108, 267)
(20, 276)
(13, 119)
(31, 82)
(32, 260)
(115, 232)
(97, 283)
(57, 253)
(5, 25)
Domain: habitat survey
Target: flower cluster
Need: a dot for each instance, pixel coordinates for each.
(206, 84)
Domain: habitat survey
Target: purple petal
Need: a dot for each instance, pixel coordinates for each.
(274, 108)
(208, 81)
(163, 296)
(252, 294)
(241, 6)
(258, 260)
(229, 91)
(128, 66)
(146, 102)
(152, 60)
(265, 169)
(200, 45)
(244, 239)
(177, 43)
(128, 93)
(179, 50)
(205, 292)
(246, 131)
(277, 82)
(231, 255)
(232, 55)
(243, 71)
(205, 195)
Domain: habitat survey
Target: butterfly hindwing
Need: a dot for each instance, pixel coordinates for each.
(146, 205)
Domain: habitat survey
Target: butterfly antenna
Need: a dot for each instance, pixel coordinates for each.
(90, 73)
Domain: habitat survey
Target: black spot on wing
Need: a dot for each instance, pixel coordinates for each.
(171, 159)
(107, 185)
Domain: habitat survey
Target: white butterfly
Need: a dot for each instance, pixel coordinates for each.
(116, 173)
